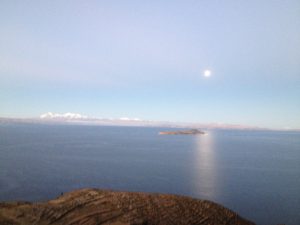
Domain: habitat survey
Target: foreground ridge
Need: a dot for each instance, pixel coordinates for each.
(94, 206)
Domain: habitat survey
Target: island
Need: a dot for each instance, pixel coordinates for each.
(180, 132)
(95, 206)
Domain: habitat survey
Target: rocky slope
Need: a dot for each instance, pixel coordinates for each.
(93, 206)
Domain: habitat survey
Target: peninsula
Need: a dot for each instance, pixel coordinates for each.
(180, 132)
(94, 207)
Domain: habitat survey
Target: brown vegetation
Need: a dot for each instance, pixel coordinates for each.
(93, 207)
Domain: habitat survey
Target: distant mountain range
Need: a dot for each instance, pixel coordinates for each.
(69, 116)
(76, 118)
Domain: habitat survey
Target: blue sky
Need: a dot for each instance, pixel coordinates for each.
(146, 59)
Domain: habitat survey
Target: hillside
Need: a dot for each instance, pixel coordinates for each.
(93, 206)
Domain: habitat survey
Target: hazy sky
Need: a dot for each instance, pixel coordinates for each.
(146, 59)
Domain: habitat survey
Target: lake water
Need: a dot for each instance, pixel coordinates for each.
(255, 173)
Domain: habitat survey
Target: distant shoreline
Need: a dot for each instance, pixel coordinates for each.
(182, 132)
(142, 123)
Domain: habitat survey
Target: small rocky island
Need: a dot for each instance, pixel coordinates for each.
(182, 132)
(94, 207)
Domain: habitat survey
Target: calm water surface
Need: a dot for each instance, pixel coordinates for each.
(255, 173)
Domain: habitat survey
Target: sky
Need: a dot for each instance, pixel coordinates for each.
(145, 59)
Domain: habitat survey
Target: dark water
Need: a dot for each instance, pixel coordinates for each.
(256, 173)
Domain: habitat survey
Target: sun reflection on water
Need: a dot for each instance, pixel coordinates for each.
(206, 176)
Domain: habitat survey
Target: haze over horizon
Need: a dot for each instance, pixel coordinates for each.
(184, 61)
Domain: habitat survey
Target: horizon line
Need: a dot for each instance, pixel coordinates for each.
(125, 121)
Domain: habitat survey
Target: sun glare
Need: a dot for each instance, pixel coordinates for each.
(207, 73)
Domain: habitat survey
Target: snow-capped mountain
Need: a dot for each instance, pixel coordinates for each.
(129, 119)
(68, 116)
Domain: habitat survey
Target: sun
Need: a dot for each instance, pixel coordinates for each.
(207, 73)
